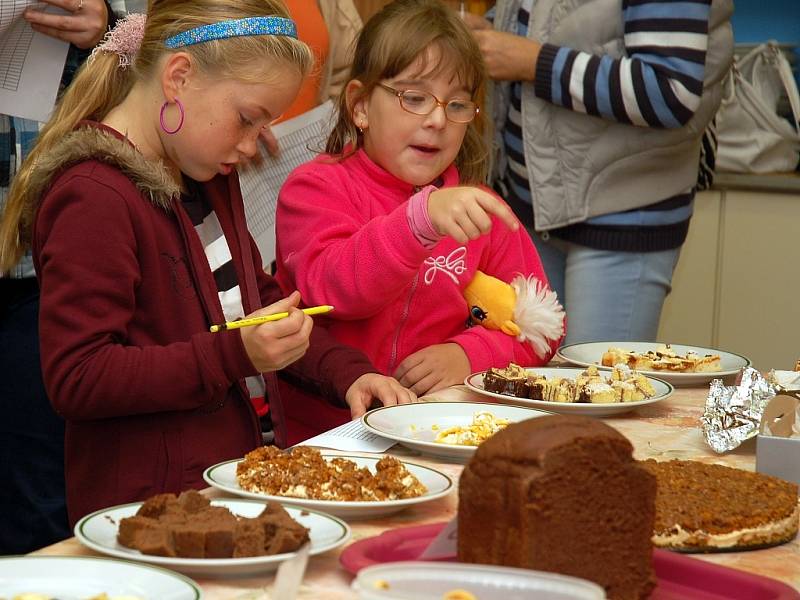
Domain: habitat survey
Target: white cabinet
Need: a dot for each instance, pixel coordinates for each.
(737, 283)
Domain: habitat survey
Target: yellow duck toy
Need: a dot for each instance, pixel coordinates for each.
(526, 309)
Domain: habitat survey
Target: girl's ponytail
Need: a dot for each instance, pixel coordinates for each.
(99, 85)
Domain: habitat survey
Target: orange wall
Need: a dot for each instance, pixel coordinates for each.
(369, 7)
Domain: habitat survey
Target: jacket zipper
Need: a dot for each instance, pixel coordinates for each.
(403, 319)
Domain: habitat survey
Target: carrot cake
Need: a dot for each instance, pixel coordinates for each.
(704, 507)
(302, 472)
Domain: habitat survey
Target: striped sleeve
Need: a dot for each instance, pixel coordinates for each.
(657, 84)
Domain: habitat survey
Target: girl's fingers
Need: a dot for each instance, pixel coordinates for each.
(479, 217)
(424, 385)
(471, 231)
(408, 363)
(413, 375)
(499, 209)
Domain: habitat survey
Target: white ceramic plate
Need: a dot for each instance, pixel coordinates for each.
(431, 581)
(98, 531)
(80, 577)
(591, 353)
(413, 424)
(223, 477)
(662, 388)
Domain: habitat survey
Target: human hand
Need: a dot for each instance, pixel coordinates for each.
(84, 27)
(270, 143)
(508, 57)
(433, 368)
(463, 213)
(275, 344)
(373, 386)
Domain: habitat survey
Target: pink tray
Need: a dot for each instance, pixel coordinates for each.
(680, 577)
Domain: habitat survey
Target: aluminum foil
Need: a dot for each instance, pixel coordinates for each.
(733, 413)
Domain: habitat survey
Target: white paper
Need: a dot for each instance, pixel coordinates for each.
(300, 139)
(351, 437)
(31, 64)
(444, 545)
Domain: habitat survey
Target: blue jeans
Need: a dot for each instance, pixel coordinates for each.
(607, 295)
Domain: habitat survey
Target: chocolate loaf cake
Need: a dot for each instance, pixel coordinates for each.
(561, 494)
(188, 526)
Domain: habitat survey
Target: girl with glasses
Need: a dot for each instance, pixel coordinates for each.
(392, 223)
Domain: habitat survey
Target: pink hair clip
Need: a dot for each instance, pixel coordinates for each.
(125, 39)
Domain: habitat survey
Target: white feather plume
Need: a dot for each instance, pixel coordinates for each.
(537, 313)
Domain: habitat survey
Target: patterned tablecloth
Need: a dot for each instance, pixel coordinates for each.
(665, 430)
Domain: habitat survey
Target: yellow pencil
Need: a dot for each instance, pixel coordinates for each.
(314, 310)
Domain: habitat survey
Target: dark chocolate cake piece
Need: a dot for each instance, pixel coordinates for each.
(511, 381)
(188, 526)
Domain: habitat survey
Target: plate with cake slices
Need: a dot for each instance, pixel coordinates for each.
(346, 485)
(196, 536)
(90, 578)
(678, 364)
(449, 430)
(591, 391)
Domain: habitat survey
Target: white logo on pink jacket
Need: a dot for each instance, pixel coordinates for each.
(451, 265)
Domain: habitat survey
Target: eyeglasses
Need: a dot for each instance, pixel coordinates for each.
(424, 103)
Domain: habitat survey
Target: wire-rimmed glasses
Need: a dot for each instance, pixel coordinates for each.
(422, 103)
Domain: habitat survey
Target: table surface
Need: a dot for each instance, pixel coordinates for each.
(665, 430)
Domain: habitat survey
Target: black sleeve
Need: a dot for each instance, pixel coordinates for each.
(77, 56)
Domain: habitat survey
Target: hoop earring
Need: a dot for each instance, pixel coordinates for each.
(161, 117)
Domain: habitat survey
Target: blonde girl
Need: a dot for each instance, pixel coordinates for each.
(391, 224)
(132, 206)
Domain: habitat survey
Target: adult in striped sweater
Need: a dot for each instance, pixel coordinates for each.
(599, 110)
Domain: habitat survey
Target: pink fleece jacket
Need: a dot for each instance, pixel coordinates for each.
(344, 239)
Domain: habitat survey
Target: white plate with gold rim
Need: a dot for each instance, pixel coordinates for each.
(223, 477)
(591, 353)
(416, 425)
(433, 581)
(81, 577)
(662, 388)
(98, 531)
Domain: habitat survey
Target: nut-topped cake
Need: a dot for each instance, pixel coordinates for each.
(702, 507)
(302, 472)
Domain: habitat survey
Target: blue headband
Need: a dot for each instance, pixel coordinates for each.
(237, 27)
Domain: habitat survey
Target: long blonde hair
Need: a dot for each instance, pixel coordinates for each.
(100, 85)
(391, 41)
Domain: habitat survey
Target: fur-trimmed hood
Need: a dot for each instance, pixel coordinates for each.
(95, 142)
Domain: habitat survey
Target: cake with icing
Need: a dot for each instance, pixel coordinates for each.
(561, 493)
(663, 358)
(621, 384)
